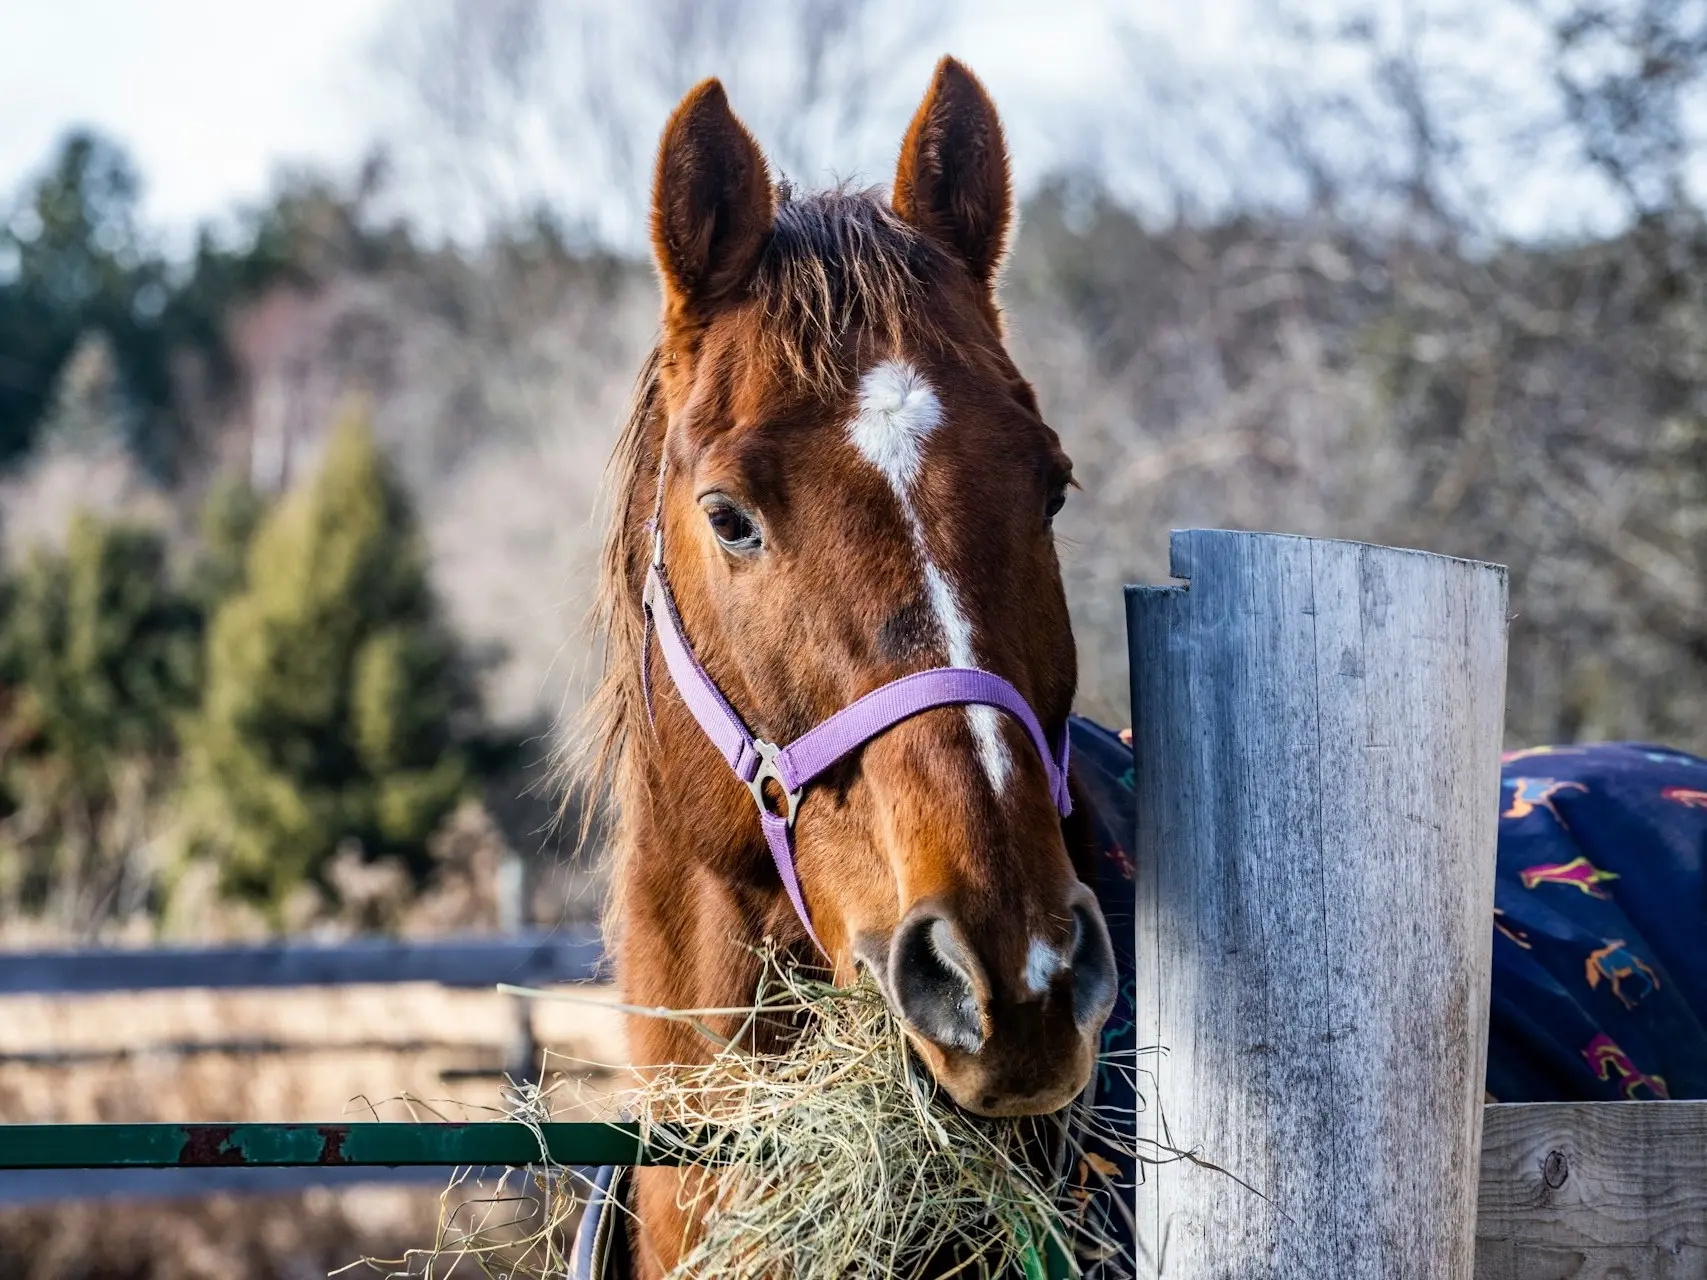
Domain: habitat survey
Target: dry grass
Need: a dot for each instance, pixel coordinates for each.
(836, 1158)
(284, 1237)
(839, 1159)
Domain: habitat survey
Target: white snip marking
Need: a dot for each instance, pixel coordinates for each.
(1042, 963)
(898, 411)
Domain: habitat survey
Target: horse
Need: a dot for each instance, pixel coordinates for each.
(832, 529)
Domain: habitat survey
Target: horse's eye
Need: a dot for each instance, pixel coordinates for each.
(1057, 500)
(734, 529)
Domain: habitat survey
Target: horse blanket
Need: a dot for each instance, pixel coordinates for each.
(1599, 949)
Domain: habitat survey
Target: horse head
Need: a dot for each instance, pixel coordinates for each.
(847, 482)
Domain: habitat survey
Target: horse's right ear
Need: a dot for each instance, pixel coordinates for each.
(712, 204)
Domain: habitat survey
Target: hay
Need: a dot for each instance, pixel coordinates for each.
(518, 1226)
(838, 1159)
(834, 1158)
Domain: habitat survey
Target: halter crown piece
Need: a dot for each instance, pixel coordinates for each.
(793, 767)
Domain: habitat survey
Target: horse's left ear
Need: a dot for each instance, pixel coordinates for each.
(952, 181)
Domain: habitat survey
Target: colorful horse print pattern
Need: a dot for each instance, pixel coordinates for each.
(1600, 939)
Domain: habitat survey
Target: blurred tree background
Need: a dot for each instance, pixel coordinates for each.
(333, 698)
(254, 636)
(100, 656)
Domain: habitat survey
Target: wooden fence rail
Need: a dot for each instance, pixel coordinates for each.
(523, 959)
(535, 958)
(43, 1188)
(1594, 1191)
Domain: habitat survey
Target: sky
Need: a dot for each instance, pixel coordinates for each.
(212, 96)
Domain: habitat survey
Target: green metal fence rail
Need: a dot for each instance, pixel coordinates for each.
(373, 1145)
(369, 1144)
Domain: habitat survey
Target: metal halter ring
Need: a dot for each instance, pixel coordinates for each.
(767, 753)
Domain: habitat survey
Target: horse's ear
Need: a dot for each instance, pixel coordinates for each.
(952, 181)
(712, 204)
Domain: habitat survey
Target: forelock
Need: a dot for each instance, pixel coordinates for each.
(842, 270)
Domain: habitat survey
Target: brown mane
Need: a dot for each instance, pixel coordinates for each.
(839, 265)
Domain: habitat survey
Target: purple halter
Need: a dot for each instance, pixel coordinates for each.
(794, 766)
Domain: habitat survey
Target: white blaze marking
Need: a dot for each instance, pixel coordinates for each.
(898, 411)
(1042, 963)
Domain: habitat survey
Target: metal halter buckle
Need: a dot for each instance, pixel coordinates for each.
(767, 753)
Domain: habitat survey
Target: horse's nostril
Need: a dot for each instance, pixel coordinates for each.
(936, 983)
(1094, 980)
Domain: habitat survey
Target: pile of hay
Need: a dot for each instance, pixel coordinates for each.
(836, 1158)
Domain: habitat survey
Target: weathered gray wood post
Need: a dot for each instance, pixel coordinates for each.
(1317, 729)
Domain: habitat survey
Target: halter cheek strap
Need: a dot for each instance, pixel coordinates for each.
(794, 767)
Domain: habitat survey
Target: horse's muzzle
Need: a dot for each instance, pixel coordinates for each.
(1003, 1043)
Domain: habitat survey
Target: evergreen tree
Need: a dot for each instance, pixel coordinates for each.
(105, 644)
(98, 660)
(75, 258)
(334, 694)
(230, 514)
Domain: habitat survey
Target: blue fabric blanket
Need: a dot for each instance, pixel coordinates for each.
(1600, 917)
(1600, 926)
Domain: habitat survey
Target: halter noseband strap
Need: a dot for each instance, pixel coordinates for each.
(793, 767)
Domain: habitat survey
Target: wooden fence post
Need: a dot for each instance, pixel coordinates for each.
(521, 1055)
(1317, 728)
